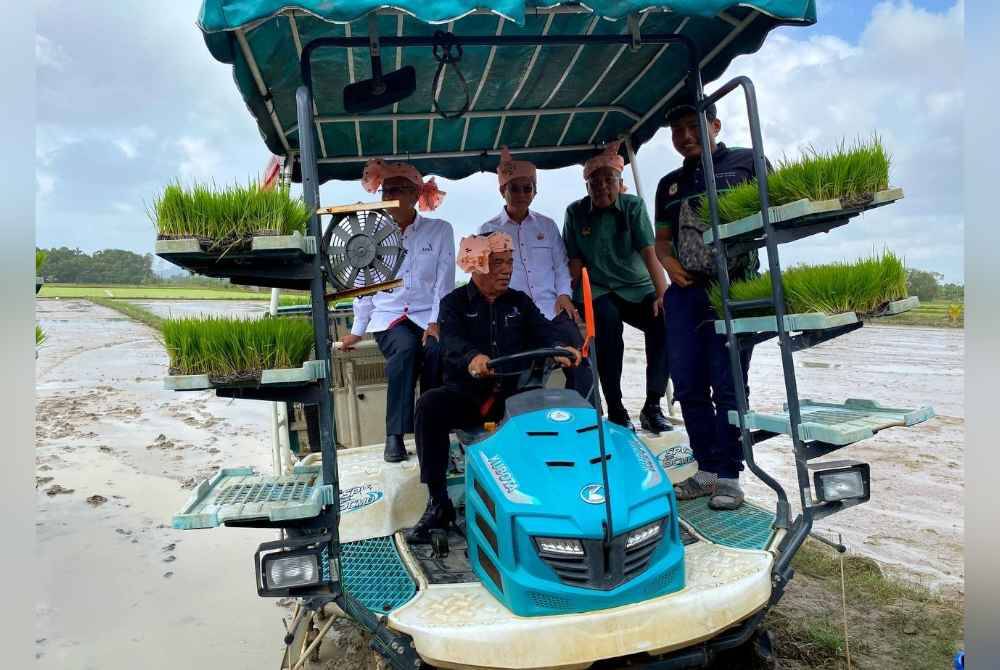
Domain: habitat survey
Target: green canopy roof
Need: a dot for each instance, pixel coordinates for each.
(557, 103)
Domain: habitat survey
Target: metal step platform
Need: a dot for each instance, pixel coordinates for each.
(799, 219)
(837, 424)
(748, 527)
(243, 494)
(276, 261)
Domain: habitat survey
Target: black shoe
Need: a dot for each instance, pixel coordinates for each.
(436, 516)
(620, 416)
(395, 451)
(651, 418)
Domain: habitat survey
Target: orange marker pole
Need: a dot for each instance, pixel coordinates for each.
(588, 312)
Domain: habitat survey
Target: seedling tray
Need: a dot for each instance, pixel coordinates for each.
(242, 494)
(278, 261)
(813, 320)
(310, 372)
(812, 216)
(837, 424)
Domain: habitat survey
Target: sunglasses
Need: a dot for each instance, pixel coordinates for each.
(515, 188)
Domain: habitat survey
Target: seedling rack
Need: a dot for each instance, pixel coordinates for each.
(815, 429)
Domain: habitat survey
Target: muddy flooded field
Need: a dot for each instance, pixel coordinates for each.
(117, 455)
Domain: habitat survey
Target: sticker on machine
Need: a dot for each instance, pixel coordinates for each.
(356, 497)
(506, 481)
(648, 463)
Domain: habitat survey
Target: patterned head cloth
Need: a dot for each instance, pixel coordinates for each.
(474, 251)
(608, 158)
(377, 171)
(512, 169)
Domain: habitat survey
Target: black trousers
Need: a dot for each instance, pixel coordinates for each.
(439, 412)
(580, 378)
(406, 359)
(610, 313)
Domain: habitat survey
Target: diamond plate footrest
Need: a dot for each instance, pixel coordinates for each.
(374, 574)
(839, 424)
(242, 494)
(747, 527)
(309, 372)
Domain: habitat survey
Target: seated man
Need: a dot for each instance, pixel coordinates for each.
(405, 320)
(611, 234)
(482, 320)
(541, 268)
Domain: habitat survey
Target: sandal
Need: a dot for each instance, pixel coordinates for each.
(691, 488)
(728, 495)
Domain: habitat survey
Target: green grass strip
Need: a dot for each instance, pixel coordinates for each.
(850, 174)
(236, 349)
(228, 215)
(39, 335)
(134, 312)
(862, 286)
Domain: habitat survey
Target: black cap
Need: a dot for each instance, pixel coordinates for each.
(683, 109)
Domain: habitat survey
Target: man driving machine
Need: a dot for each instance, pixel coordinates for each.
(481, 321)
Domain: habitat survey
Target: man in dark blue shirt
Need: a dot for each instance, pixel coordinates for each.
(698, 357)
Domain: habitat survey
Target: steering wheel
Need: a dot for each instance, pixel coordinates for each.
(538, 369)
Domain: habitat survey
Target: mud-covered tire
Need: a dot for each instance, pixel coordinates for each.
(757, 653)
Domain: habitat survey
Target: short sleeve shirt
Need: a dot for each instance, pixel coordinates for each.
(732, 167)
(608, 241)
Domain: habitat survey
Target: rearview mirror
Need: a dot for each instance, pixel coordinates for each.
(380, 91)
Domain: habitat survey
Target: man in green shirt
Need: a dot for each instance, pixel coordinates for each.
(610, 233)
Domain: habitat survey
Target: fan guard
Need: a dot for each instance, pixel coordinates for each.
(363, 248)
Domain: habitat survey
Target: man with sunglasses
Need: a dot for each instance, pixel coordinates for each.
(609, 232)
(404, 321)
(541, 268)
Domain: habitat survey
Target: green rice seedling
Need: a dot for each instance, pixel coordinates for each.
(293, 300)
(39, 336)
(229, 350)
(40, 256)
(226, 217)
(863, 286)
(852, 174)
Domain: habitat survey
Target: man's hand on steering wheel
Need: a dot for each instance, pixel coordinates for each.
(565, 362)
(478, 366)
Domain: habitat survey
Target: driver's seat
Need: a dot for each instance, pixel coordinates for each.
(471, 435)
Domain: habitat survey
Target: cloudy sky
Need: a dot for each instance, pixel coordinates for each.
(129, 99)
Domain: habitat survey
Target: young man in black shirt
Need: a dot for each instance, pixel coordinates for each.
(698, 357)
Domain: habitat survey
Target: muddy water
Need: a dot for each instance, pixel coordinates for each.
(913, 523)
(120, 589)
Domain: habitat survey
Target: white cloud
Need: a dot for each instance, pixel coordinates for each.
(902, 80)
(49, 54)
(200, 161)
(46, 183)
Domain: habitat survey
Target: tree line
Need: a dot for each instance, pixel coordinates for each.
(63, 265)
(928, 286)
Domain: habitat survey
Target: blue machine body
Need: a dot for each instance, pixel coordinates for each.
(535, 484)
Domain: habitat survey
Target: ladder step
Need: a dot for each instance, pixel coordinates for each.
(837, 424)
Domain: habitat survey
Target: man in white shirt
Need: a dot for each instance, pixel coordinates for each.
(541, 268)
(404, 321)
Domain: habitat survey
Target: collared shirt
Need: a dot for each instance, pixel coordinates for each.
(608, 241)
(541, 268)
(428, 274)
(471, 325)
(732, 166)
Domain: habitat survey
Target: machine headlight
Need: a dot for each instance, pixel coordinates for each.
(841, 480)
(285, 572)
(560, 546)
(641, 535)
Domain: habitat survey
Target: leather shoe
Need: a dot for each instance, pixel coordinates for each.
(651, 418)
(395, 451)
(436, 516)
(620, 417)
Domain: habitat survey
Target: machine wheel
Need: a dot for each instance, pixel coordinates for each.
(757, 653)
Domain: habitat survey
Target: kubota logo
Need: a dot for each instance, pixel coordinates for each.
(593, 494)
